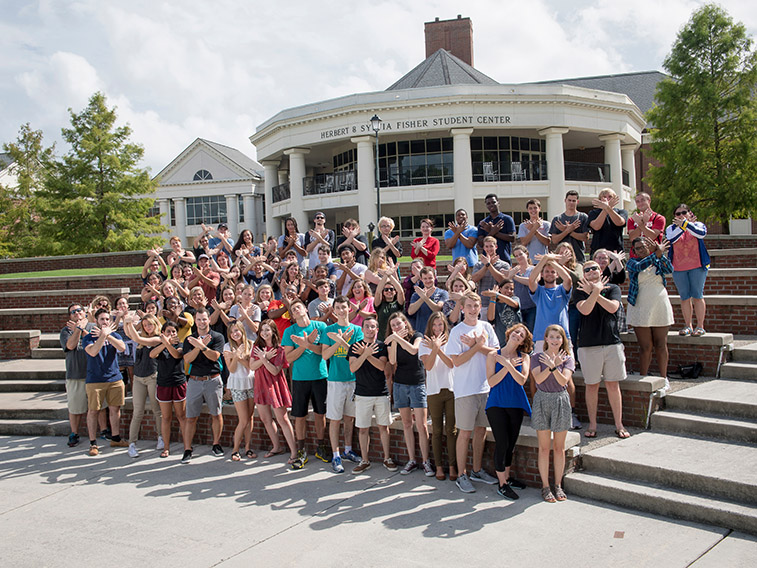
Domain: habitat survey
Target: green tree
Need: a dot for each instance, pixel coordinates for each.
(94, 197)
(705, 121)
(19, 218)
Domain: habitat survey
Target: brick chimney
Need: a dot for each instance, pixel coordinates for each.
(456, 36)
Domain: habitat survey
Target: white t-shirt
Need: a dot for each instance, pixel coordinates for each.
(470, 377)
(357, 268)
(440, 376)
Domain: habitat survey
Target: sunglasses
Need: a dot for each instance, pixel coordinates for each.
(319, 217)
(680, 213)
(75, 310)
(387, 289)
(590, 268)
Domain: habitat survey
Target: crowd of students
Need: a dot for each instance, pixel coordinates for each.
(283, 328)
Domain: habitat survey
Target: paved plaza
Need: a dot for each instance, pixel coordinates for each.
(61, 507)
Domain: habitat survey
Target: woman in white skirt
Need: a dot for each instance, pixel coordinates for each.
(550, 412)
(649, 309)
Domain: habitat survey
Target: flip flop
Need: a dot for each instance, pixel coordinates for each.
(271, 453)
(165, 453)
(622, 433)
(236, 457)
(590, 434)
(251, 455)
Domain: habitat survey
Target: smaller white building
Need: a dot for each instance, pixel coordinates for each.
(8, 177)
(211, 183)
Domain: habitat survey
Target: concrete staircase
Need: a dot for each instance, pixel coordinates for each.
(698, 463)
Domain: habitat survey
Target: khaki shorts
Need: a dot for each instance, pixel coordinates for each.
(76, 396)
(340, 399)
(366, 407)
(470, 412)
(608, 361)
(112, 393)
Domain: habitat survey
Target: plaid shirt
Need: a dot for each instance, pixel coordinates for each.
(636, 265)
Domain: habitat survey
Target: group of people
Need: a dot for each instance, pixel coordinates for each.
(280, 326)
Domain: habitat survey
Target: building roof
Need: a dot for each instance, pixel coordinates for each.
(5, 160)
(439, 69)
(639, 86)
(237, 157)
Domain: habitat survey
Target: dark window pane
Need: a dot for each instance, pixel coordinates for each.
(490, 143)
(403, 148)
(447, 144)
(434, 145)
(418, 147)
(504, 142)
(514, 143)
(476, 143)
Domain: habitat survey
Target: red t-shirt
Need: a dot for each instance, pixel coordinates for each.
(656, 223)
(432, 246)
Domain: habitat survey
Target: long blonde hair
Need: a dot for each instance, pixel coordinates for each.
(245, 343)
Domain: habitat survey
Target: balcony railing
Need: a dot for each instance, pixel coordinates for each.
(280, 192)
(330, 183)
(526, 170)
(415, 175)
(585, 171)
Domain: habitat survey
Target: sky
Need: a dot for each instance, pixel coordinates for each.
(185, 69)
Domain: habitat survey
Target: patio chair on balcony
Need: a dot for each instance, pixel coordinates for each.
(489, 173)
(517, 172)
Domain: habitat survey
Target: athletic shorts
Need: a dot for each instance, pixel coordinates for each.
(306, 392)
(171, 394)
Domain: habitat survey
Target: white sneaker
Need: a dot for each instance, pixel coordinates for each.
(664, 390)
(133, 453)
(161, 444)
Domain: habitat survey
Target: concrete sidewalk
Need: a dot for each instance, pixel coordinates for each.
(60, 507)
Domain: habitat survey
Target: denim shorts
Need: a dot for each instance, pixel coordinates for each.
(409, 396)
(690, 283)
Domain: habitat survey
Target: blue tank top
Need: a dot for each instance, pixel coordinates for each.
(508, 393)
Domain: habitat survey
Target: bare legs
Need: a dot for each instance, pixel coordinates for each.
(461, 448)
(421, 423)
(557, 445)
(166, 409)
(650, 338)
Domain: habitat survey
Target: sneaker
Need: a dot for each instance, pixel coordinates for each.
(217, 450)
(463, 484)
(324, 454)
(410, 467)
(336, 464)
(133, 453)
(516, 483)
(302, 459)
(361, 467)
(187, 457)
(482, 477)
(352, 456)
(428, 469)
(93, 451)
(390, 465)
(119, 444)
(575, 422)
(161, 444)
(507, 492)
(73, 440)
(664, 390)
(105, 434)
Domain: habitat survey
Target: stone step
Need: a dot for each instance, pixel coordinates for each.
(724, 397)
(49, 340)
(33, 405)
(710, 426)
(745, 353)
(32, 369)
(739, 370)
(705, 467)
(663, 501)
(48, 353)
(34, 427)
(39, 385)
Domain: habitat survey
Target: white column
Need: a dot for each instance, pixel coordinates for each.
(165, 217)
(555, 169)
(180, 210)
(628, 160)
(249, 202)
(270, 179)
(366, 181)
(462, 188)
(612, 157)
(296, 185)
(232, 214)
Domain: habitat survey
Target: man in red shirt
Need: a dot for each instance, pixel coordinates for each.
(205, 277)
(645, 222)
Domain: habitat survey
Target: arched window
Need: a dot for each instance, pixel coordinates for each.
(202, 175)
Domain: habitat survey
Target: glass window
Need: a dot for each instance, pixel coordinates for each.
(202, 175)
(209, 209)
(240, 202)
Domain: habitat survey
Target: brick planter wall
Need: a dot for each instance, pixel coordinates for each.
(131, 281)
(18, 344)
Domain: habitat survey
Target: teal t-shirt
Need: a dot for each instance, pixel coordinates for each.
(339, 367)
(309, 366)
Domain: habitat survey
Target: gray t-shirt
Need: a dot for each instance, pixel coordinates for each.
(578, 246)
(76, 359)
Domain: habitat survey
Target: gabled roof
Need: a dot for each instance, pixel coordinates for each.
(246, 166)
(439, 69)
(640, 86)
(5, 160)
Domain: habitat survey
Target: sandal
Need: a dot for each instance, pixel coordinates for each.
(698, 332)
(271, 453)
(590, 434)
(441, 476)
(686, 331)
(236, 457)
(546, 494)
(560, 494)
(251, 455)
(164, 453)
(291, 460)
(622, 433)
